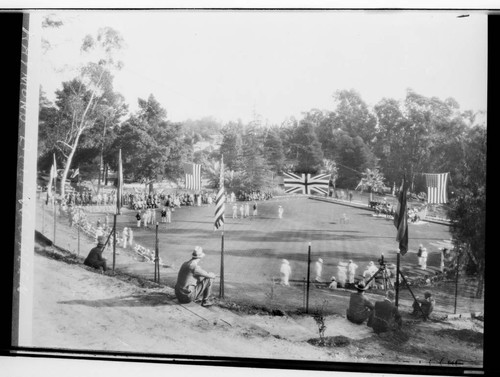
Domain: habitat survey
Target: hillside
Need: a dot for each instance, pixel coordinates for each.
(77, 308)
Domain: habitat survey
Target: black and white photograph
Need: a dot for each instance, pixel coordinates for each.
(285, 186)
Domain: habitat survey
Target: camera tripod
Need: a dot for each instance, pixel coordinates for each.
(388, 283)
(382, 271)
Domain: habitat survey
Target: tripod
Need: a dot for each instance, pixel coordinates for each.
(388, 283)
(385, 277)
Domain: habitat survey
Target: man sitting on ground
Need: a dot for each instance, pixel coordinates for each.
(360, 307)
(385, 316)
(194, 283)
(95, 259)
(423, 307)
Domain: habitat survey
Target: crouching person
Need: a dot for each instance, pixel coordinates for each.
(360, 307)
(385, 316)
(423, 307)
(193, 283)
(95, 258)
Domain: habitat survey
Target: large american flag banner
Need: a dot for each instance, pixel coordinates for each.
(305, 184)
(193, 176)
(220, 200)
(436, 188)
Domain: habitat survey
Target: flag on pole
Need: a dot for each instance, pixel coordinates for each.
(305, 184)
(75, 173)
(401, 220)
(193, 176)
(220, 200)
(436, 188)
(119, 184)
(52, 177)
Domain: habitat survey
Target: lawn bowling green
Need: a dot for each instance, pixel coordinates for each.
(255, 246)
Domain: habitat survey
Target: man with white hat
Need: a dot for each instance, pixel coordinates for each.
(360, 308)
(95, 259)
(194, 283)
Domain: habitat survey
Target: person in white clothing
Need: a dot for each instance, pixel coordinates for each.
(424, 259)
(247, 209)
(169, 215)
(351, 271)
(130, 236)
(125, 237)
(341, 274)
(285, 272)
(318, 268)
(242, 211)
(333, 283)
(280, 212)
(235, 211)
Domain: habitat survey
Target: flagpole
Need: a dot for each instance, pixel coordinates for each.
(308, 276)
(114, 241)
(398, 255)
(55, 215)
(157, 259)
(221, 287)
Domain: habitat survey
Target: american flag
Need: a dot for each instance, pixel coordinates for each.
(401, 219)
(436, 188)
(220, 200)
(193, 176)
(305, 184)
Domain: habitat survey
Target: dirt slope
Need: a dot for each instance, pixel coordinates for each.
(77, 308)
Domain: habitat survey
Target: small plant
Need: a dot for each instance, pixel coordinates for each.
(319, 318)
(270, 294)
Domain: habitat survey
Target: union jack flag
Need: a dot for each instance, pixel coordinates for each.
(305, 184)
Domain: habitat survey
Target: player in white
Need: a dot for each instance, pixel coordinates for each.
(280, 212)
(285, 272)
(318, 268)
(235, 211)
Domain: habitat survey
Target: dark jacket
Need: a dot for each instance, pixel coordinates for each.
(190, 274)
(359, 308)
(385, 317)
(95, 259)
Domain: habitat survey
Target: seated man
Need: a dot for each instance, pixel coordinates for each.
(360, 307)
(385, 315)
(424, 307)
(95, 259)
(194, 283)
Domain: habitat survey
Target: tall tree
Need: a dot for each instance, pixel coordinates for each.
(255, 171)
(468, 207)
(353, 115)
(309, 152)
(151, 145)
(232, 145)
(273, 150)
(78, 101)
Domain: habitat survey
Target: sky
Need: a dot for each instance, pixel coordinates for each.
(234, 65)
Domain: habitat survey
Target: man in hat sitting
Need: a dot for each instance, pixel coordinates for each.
(385, 316)
(423, 306)
(95, 259)
(360, 307)
(194, 283)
